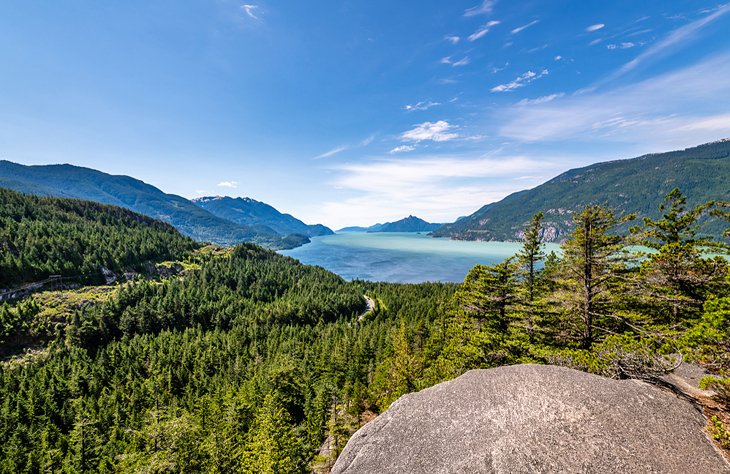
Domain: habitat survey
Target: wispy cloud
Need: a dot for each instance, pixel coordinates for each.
(541, 100)
(482, 30)
(520, 81)
(334, 151)
(595, 27)
(439, 131)
(458, 63)
(478, 34)
(675, 39)
(625, 45)
(250, 11)
(228, 184)
(402, 149)
(484, 8)
(673, 110)
(339, 149)
(421, 105)
(453, 39)
(522, 28)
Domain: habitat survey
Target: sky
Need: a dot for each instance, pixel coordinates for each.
(357, 112)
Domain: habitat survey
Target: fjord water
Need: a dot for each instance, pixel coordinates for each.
(401, 257)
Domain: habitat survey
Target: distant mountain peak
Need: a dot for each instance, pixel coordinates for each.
(248, 211)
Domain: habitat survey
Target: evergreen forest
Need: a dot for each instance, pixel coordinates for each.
(239, 359)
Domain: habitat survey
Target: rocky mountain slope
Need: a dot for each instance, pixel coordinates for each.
(531, 418)
(247, 211)
(635, 185)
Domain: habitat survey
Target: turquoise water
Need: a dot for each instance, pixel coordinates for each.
(401, 257)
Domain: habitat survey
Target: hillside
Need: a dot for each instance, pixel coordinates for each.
(247, 211)
(84, 183)
(44, 236)
(408, 224)
(634, 185)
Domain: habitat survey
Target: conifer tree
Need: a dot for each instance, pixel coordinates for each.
(529, 257)
(588, 271)
(676, 278)
(272, 446)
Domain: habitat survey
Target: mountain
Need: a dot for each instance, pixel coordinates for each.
(407, 224)
(372, 228)
(635, 185)
(84, 183)
(70, 238)
(247, 211)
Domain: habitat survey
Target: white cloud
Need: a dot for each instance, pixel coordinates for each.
(339, 149)
(402, 149)
(524, 27)
(676, 38)
(332, 152)
(368, 140)
(433, 131)
(461, 62)
(541, 100)
(478, 34)
(674, 110)
(438, 189)
(422, 105)
(520, 81)
(452, 39)
(228, 184)
(595, 27)
(558, 58)
(620, 46)
(492, 23)
(250, 11)
(485, 8)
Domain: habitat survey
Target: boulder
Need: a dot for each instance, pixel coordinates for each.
(534, 419)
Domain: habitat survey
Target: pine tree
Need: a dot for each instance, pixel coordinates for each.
(676, 278)
(272, 446)
(589, 268)
(488, 292)
(529, 257)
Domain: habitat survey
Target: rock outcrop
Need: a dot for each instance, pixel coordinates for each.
(536, 419)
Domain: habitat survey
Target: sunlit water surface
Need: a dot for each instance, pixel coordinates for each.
(401, 257)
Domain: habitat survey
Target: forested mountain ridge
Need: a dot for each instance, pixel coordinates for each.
(629, 186)
(44, 236)
(124, 191)
(408, 224)
(247, 211)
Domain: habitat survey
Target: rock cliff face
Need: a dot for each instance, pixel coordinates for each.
(535, 419)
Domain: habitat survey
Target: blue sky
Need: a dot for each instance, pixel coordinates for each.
(353, 112)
